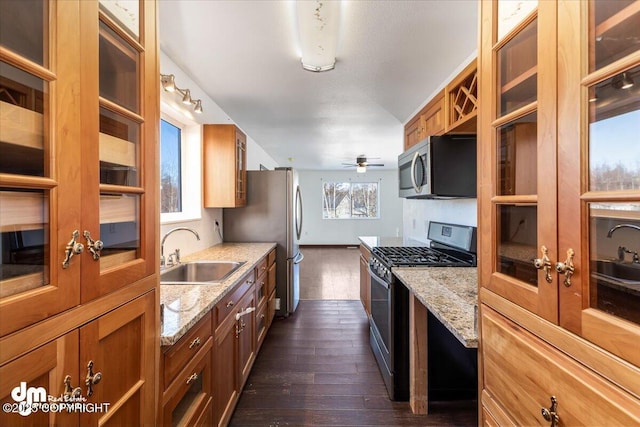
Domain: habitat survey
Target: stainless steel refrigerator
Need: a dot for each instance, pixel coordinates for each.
(273, 214)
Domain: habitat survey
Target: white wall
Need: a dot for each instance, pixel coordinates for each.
(212, 114)
(417, 214)
(318, 231)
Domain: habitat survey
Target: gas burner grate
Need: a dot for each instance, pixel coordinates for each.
(403, 256)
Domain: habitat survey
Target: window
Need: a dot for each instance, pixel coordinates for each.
(180, 168)
(170, 165)
(344, 200)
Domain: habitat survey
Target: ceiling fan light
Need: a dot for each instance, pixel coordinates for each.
(361, 169)
(318, 27)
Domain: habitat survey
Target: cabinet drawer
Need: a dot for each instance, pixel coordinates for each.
(262, 267)
(261, 324)
(189, 397)
(522, 372)
(229, 302)
(262, 288)
(271, 258)
(179, 354)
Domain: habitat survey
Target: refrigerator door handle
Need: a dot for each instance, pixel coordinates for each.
(298, 212)
(298, 258)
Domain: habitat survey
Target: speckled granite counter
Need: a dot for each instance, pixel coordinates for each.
(449, 293)
(373, 241)
(184, 305)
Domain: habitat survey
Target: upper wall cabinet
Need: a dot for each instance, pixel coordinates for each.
(78, 132)
(559, 208)
(453, 110)
(224, 166)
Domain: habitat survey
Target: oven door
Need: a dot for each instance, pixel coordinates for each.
(381, 324)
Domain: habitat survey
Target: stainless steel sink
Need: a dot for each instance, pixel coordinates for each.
(619, 270)
(199, 272)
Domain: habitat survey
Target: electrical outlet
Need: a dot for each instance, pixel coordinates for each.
(277, 303)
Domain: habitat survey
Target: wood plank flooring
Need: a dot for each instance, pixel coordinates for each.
(316, 368)
(330, 273)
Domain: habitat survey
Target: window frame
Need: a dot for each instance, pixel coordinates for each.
(351, 184)
(190, 168)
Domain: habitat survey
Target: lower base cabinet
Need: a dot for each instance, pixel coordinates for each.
(105, 361)
(524, 376)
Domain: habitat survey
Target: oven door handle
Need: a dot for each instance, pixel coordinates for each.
(382, 281)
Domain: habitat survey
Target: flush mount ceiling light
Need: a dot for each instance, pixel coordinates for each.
(622, 81)
(318, 26)
(168, 82)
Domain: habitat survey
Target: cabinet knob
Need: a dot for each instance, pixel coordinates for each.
(91, 379)
(550, 414)
(566, 267)
(72, 248)
(70, 392)
(544, 263)
(95, 246)
(230, 304)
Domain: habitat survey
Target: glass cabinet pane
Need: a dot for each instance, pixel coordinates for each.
(614, 129)
(119, 145)
(119, 228)
(24, 29)
(517, 70)
(516, 227)
(615, 33)
(23, 98)
(24, 222)
(124, 12)
(119, 70)
(614, 263)
(517, 156)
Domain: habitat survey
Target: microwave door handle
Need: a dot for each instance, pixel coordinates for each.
(413, 173)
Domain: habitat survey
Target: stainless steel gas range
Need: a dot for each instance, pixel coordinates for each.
(451, 246)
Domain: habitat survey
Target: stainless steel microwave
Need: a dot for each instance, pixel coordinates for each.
(439, 167)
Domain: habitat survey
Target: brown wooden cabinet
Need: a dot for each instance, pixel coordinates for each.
(365, 279)
(79, 114)
(429, 121)
(117, 345)
(234, 347)
(555, 222)
(224, 166)
(188, 381)
(461, 101)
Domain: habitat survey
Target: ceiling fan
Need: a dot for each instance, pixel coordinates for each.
(362, 163)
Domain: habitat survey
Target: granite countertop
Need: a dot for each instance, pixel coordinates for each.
(373, 241)
(450, 294)
(183, 305)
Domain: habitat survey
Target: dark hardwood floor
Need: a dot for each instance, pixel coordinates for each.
(316, 368)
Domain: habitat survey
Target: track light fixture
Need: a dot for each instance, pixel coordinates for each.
(168, 82)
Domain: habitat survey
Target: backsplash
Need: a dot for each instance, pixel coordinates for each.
(418, 212)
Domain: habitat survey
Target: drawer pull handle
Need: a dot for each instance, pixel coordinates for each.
(230, 304)
(550, 414)
(195, 343)
(192, 378)
(91, 378)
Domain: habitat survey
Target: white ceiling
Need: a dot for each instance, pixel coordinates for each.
(392, 56)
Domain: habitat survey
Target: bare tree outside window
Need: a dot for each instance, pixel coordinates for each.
(344, 200)
(170, 173)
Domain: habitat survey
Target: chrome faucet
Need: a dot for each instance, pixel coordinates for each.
(622, 250)
(175, 256)
(633, 226)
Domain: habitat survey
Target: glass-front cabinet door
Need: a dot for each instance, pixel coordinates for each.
(123, 127)
(599, 134)
(520, 151)
(39, 161)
